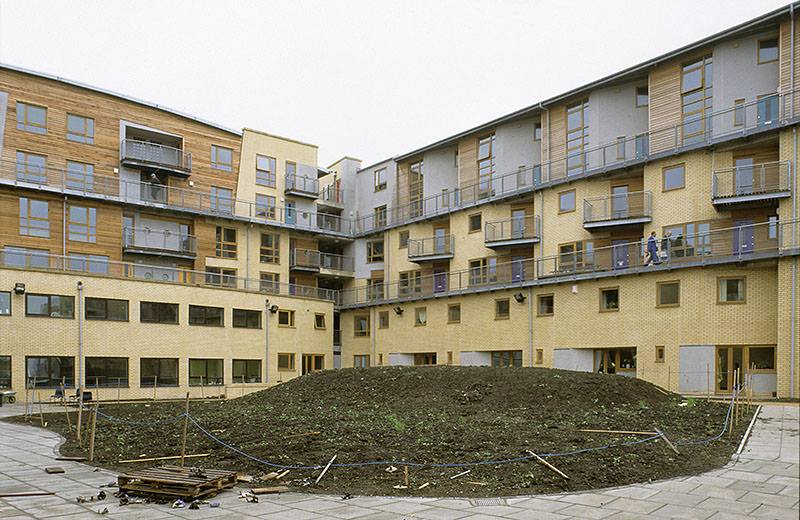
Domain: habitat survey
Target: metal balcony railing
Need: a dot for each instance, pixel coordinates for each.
(336, 262)
(730, 244)
(301, 184)
(304, 258)
(515, 229)
(618, 207)
(17, 257)
(159, 155)
(332, 195)
(441, 246)
(313, 259)
(756, 179)
(158, 240)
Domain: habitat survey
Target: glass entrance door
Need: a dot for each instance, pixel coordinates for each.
(313, 362)
(729, 359)
(619, 201)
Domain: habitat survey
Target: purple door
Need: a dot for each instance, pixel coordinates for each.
(743, 238)
(439, 280)
(620, 254)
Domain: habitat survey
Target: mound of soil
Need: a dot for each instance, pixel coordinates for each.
(432, 415)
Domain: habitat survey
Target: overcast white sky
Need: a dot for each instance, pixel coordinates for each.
(365, 78)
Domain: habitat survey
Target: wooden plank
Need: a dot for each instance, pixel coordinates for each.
(161, 458)
(620, 432)
(555, 469)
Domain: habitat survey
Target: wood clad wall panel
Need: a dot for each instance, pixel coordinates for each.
(206, 232)
(402, 184)
(305, 243)
(665, 104)
(9, 223)
(557, 142)
(467, 161)
(107, 111)
(305, 279)
(109, 231)
(785, 55)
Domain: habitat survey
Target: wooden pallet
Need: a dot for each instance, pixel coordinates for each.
(174, 481)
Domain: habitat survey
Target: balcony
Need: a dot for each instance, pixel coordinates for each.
(440, 247)
(304, 260)
(331, 199)
(512, 231)
(617, 209)
(142, 154)
(751, 185)
(336, 265)
(158, 242)
(302, 186)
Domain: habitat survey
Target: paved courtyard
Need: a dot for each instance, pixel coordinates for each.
(760, 483)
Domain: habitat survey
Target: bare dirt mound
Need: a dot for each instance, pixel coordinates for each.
(433, 416)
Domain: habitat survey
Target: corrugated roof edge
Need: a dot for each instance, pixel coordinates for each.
(120, 96)
(531, 110)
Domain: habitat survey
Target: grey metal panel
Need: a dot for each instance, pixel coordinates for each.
(693, 363)
(398, 359)
(474, 359)
(3, 109)
(570, 358)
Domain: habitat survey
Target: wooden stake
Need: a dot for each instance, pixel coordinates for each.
(170, 457)
(708, 382)
(405, 475)
(281, 475)
(563, 475)
(155, 385)
(620, 432)
(460, 474)
(300, 435)
(80, 416)
(670, 444)
(66, 410)
(41, 416)
(91, 437)
(202, 388)
(669, 378)
(185, 425)
(325, 470)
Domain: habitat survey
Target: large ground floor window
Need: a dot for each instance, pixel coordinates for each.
(507, 358)
(758, 359)
(106, 371)
(205, 372)
(158, 372)
(313, 362)
(246, 370)
(49, 371)
(5, 371)
(615, 360)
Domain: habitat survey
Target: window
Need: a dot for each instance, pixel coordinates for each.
(106, 309)
(285, 361)
(668, 294)
(247, 370)
(409, 283)
(445, 197)
(106, 371)
(49, 371)
(454, 313)
(577, 135)
(696, 99)
(361, 325)
(5, 371)
(612, 361)
(621, 147)
(537, 131)
(319, 321)
(208, 316)
(31, 168)
(380, 179)
(24, 257)
(642, 97)
(761, 358)
(80, 176)
(539, 356)
(738, 112)
(265, 171)
(380, 216)
(265, 206)
(486, 166)
(89, 263)
(403, 239)
(220, 276)
(221, 158)
(474, 223)
(455, 158)
(609, 299)
(361, 360)
(270, 248)
(269, 282)
(80, 129)
(659, 354)
(502, 309)
(31, 118)
(221, 200)
(767, 109)
(246, 319)
(83, 224)
(383, 320)
(205, 372)
(226, 242)
(566, 201)
(51, 305)
(156, 312)
(483, 271)
(291, 171)
(689, 240)
(507, 358)
(427, 358)
(158, 372)
(5, 303)
(731, 290)
(375, 251)
(767, 50)
(375, 288)
(673, 177)
(415, 177)
(420, 317)
(772, 228)
(544, 305)
(285, 318)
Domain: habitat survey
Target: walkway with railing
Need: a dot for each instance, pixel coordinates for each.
(512, 229)
(433, 247)
(618, 206)
(158, 240)
(752, 179)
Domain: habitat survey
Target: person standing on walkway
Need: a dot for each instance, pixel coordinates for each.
(652, 250)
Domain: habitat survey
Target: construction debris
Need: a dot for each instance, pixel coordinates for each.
(269, 490)
(460, 474)
(390, 469)
(54, 469)
(327, 466)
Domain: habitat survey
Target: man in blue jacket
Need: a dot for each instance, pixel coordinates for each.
(652, 250)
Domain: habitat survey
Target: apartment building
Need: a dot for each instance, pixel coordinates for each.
(520, 242)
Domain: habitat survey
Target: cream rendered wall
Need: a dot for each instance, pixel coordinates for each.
(134, 340)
